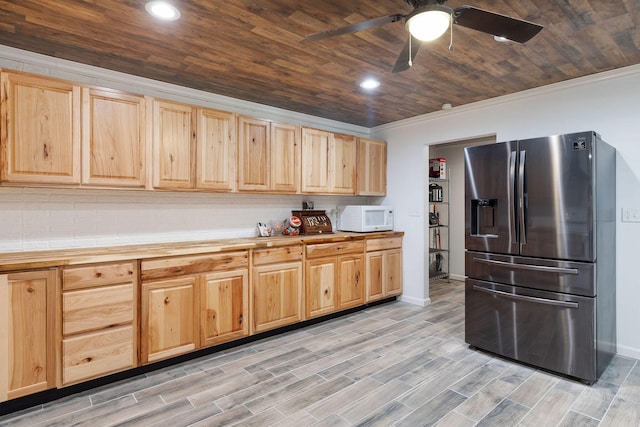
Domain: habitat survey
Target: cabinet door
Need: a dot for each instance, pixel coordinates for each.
(27, 333)
(276, 295)
(224, 306)
(40, 128)
(285, 158)
(113, 138)
(173, 145)
(393, 272)
(351, 284)
(315, 161)
(216, 140)
(343, 164)
(254, 150)
(169, 318)
(372, 167)
(321, 278)
(375, 278)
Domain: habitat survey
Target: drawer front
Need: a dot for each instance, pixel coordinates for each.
(98, 275)
(185, 265)
(93, 309)
(97, 354)
(277, 255)
(384, 243)
(333, 249)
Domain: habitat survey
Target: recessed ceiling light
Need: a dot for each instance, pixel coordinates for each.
(500, 39)
(163, 10)
(369, 84)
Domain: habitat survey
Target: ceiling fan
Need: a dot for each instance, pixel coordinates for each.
(430, 19)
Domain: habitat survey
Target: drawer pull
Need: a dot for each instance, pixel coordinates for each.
(167, 300)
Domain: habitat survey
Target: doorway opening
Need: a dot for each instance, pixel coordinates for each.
(452, 209)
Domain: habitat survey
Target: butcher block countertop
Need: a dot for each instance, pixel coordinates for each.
(15, 261)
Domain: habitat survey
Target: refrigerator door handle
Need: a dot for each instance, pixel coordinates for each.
(513, 238)
(521, 206)
(565, 304)
(542, 268)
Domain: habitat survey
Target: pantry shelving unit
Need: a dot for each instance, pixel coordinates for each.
(438, 221)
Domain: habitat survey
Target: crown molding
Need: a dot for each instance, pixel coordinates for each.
(631, 70)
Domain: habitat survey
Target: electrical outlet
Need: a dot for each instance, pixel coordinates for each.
(630, 215)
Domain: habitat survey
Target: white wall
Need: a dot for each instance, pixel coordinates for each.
(608, 103)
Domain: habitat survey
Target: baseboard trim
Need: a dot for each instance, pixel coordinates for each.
(422, 302)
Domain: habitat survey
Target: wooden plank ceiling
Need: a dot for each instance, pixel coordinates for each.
(256, 50)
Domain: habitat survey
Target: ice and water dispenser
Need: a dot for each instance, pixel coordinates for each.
(483, 217)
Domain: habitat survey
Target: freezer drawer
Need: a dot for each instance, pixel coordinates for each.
(549, 275)
(545, 329)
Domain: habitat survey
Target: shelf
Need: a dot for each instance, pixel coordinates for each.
(438, 237)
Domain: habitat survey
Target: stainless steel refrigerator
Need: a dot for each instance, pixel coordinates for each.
(540, 221)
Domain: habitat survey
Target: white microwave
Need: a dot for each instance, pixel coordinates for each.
(365, 218)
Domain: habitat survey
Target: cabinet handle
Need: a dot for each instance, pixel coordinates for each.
(167, 300)
(240, 319)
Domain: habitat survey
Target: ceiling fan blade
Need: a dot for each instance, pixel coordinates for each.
(496, 24)
(402, 63)
(352, 28)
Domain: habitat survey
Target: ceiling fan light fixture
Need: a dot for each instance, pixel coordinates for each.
(429, 22)
(162, 10)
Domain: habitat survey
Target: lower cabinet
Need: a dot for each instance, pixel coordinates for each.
(192, 302)
(168, 318)
(98, 317)
(27, 333)
(224, 307)
(276, 291)
(73, 323)
(334, 279)
(384, 268)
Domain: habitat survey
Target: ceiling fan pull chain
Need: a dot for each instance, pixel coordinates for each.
(410, 61)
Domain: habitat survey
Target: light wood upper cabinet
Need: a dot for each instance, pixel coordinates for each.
(343, 164)
(173, 145)
(285, 157)
(27, 333)
(40, 130)
(216, 148)
(113, 138)
(254, 154)
(194, 148)
(315, 160)
(268, 156)
(372, 167)
(328, 162)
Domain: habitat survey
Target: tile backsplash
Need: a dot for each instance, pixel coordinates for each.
(42, 218)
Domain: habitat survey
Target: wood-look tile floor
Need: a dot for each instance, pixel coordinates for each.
(390, 365)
